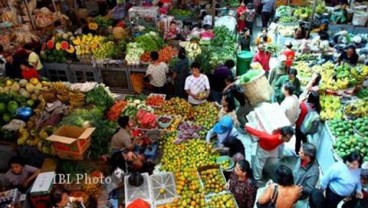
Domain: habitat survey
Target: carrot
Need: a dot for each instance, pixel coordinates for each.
(167, 53)
(116, 109)
(145, 57)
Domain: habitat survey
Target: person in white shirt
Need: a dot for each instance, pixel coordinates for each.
(156, 72)
(290, 104)
(195, 84)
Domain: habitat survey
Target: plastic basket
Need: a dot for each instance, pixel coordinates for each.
(132, 192)
(258, 90)
(208, 199)
(208, 167)
(163, 188)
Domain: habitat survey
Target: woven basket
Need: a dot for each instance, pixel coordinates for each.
(258, 90)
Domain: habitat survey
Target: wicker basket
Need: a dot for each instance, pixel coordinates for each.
(258, 90)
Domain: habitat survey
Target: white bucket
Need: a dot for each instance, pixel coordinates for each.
(360, 18)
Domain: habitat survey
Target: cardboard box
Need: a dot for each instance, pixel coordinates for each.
(71, 139)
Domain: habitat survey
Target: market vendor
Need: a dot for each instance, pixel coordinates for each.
(28, 72)
(157, 73)
(235, 148)
(279, 71)
(122, 140)
(290, 77)
(196, 84)
(20, 174)
(222, 129)
(349, 56)
(58, 27)
(218, 81)
(34, 59)
(300, 33)
(342, 179)
(173, 32)
(267, 147)
(61, 199)
(263, 57)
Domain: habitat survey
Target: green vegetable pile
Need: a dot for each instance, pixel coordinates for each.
(283, 11)
(56, 56)
(99, 97)
(180, 12)
(362, 93)
(9, 104)
(150, 41)
(223, 37)
(107, 50)
(287, 19)
(104, 129)
(103, 22)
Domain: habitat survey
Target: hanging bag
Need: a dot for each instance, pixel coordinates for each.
(272, 203)
(311, 121)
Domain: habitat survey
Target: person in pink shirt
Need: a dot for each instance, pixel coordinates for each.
(162, 9)
(263, 57)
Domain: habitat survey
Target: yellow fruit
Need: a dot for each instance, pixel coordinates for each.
(58, 46)
(9, 83)
(34, 81)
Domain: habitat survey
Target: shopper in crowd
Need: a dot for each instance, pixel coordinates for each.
(287, 193)
(61, 199)
(264, 38)
(19, 174)
(11, 71)
(312, 86)
(300, 33)
(196, 84)
(181, 72)
(278, 71)
(229, 108)
(122, 139)
(273, 29)
(263, 57)
(317, 199)
(267, 147)
(290, 77)
(222, 129)
(311, 104)
(218, 84)
(268, 8)
(162, 9)
(349, 56)
(237, 91)
(241, 15)
(342, 179)
(290, 104)
(244, 40)
(307, 174)
(289, 53)
(242, 185)
(235, 148)
(250, 16)
(33, 59)
(28, 71)
(156, 73)
(2, 60)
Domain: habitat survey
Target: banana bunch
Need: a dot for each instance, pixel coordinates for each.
(86, 43)
(304, 71)
(33, 139)
(23, 136)
(330, 107)
(357, 109)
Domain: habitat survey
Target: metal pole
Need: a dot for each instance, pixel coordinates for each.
(312, 17)
(29, 15)
(213, 12)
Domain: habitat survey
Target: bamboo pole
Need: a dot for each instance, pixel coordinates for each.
(29, 15)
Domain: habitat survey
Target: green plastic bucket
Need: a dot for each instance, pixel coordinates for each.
(244, 59)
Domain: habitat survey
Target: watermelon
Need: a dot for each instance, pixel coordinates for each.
(12, 107)
(50, 44)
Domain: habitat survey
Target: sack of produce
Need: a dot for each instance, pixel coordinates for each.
(256, 87)
(360, 18)
(137, 82)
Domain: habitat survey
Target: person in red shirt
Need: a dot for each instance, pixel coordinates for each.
(267, 147)
(241, 12)
(28, 72)
(289, 53)
(263, 57)
(312, 103)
